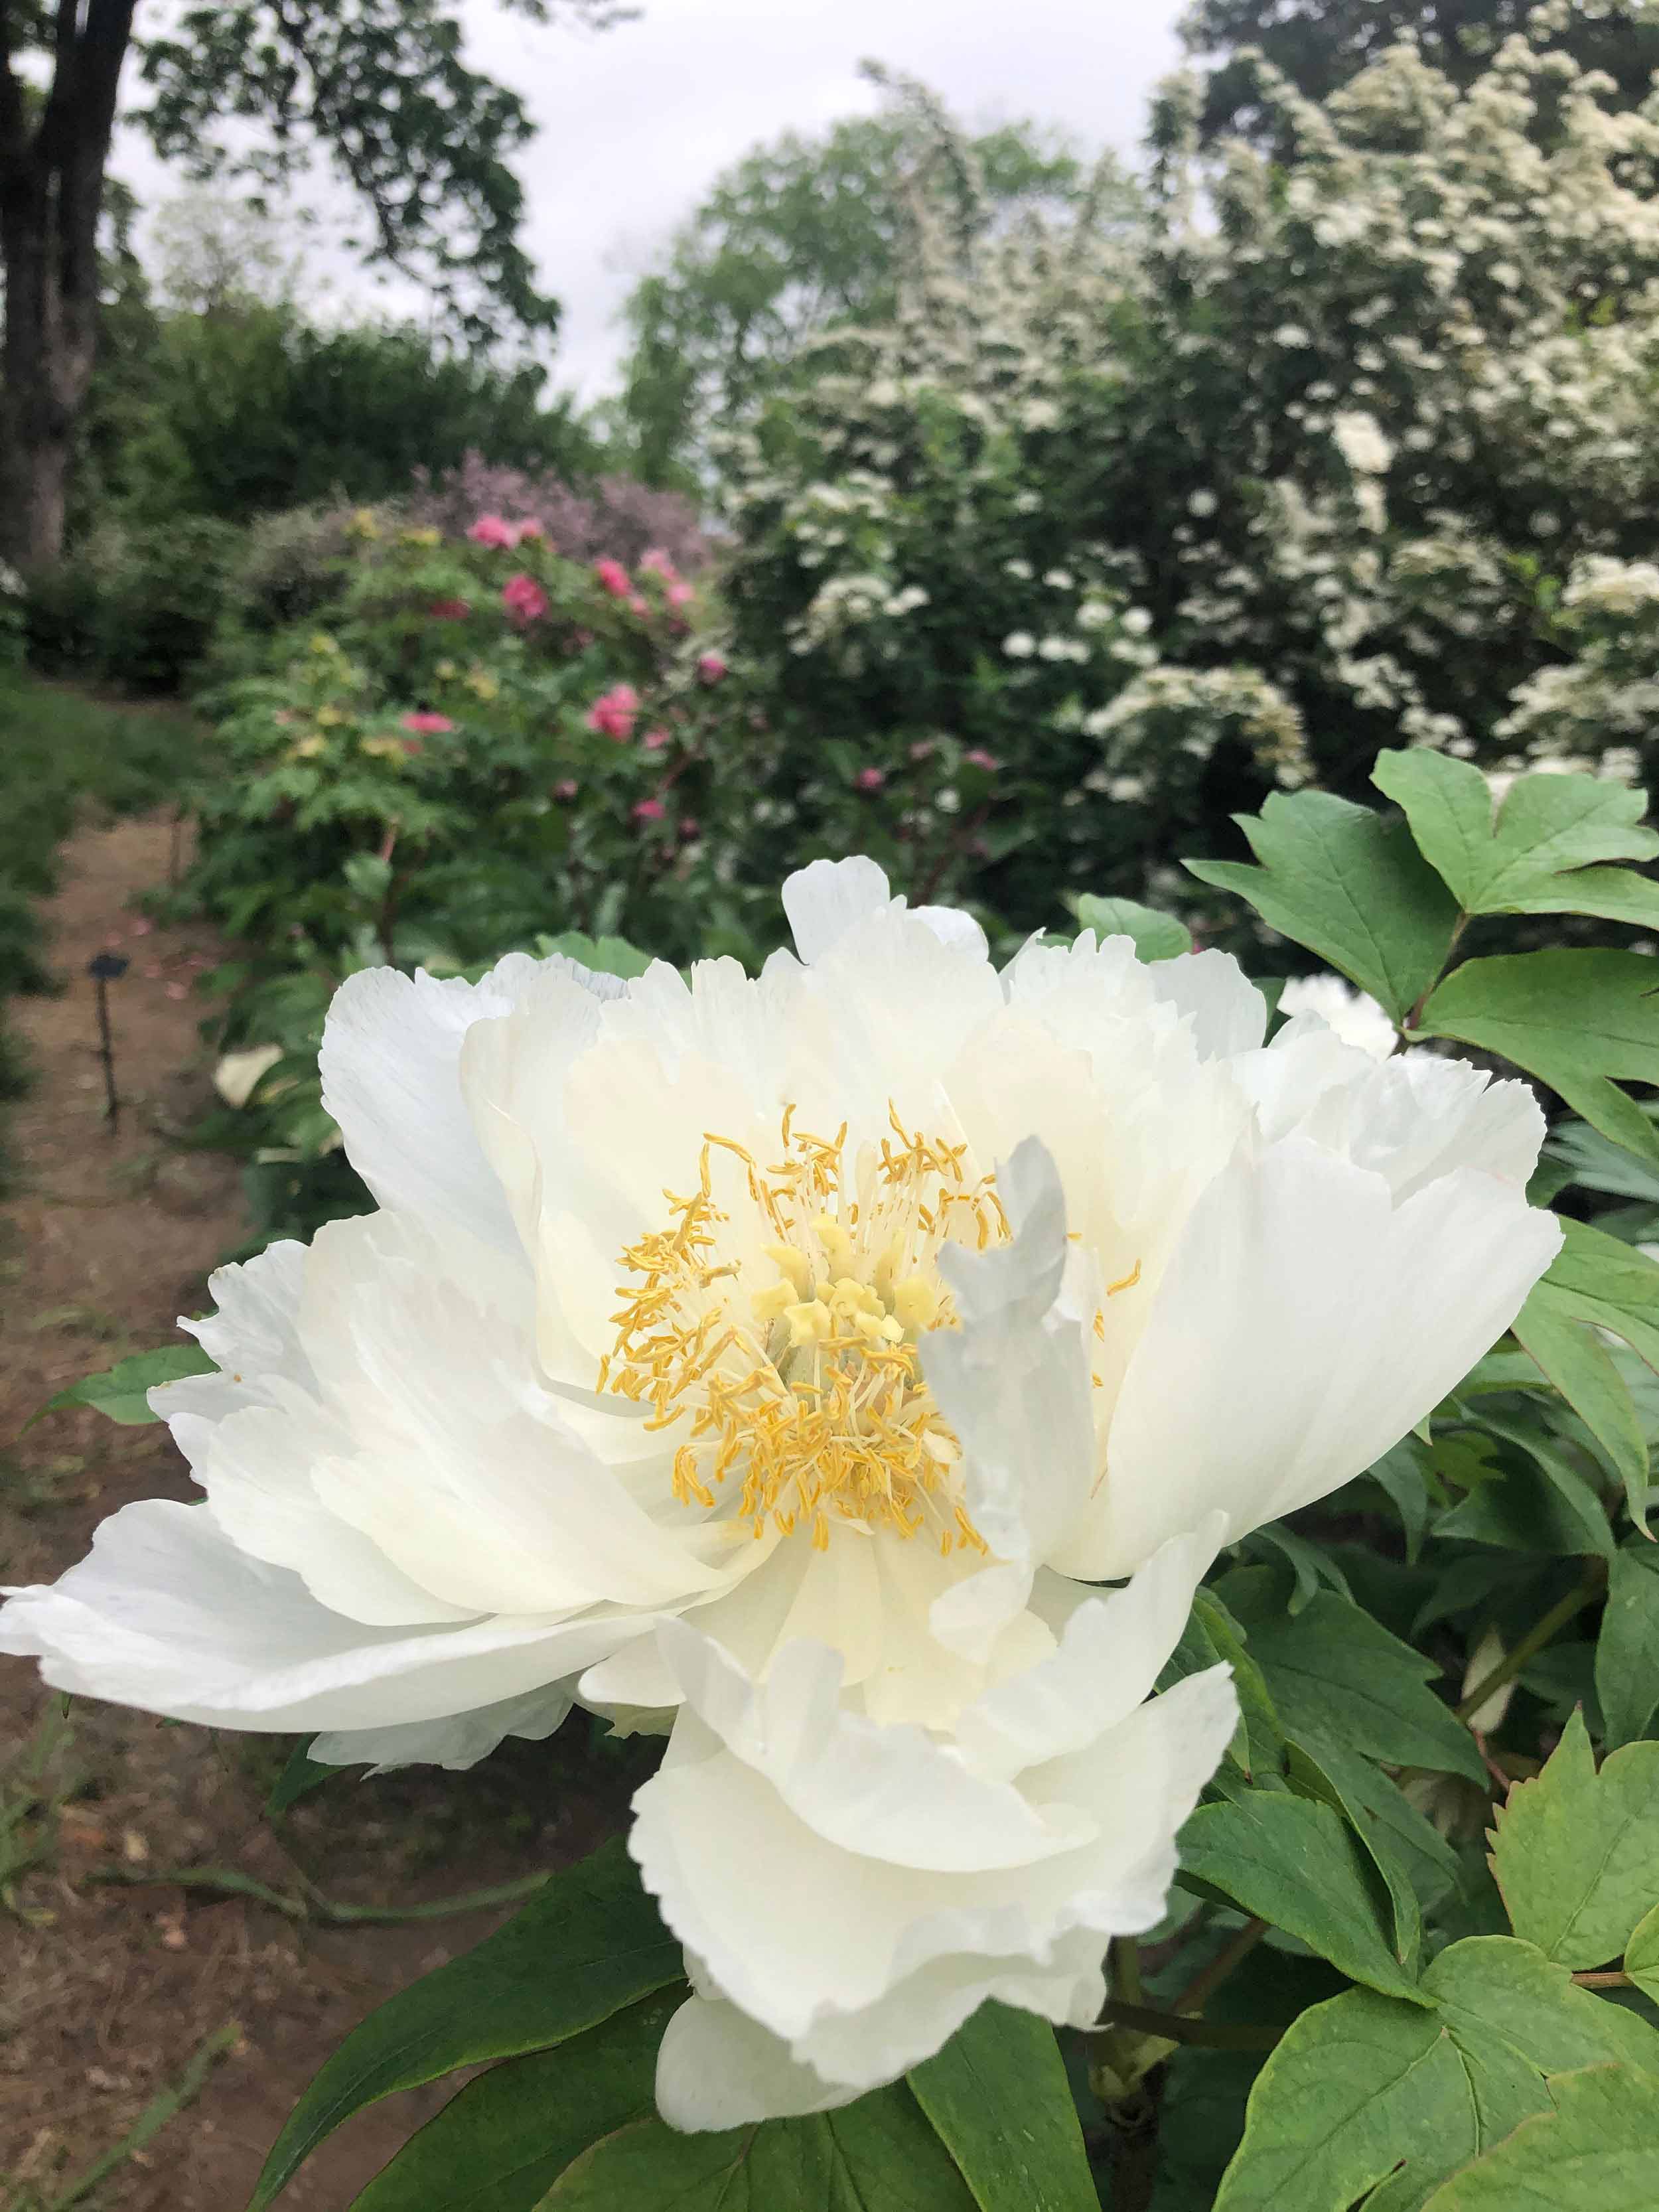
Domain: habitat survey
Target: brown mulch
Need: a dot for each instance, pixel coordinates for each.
(107, 1992)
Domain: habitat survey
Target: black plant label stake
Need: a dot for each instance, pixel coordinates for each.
(104, 970)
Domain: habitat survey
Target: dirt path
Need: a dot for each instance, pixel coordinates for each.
(106, 1992)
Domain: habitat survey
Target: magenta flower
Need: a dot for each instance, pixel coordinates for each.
(870, 779)
(654, 740)
(427, 725)
(649, 810)
(680, 593)
(614, 712)
(612, 577)
(980, 758)
(524, 599)
(711, 666)
(566, 787)
(493, 530)
(655, 561)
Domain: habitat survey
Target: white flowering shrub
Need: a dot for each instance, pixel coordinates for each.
(1310, 465)
(1110, 1504)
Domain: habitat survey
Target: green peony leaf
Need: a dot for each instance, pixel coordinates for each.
(1596, 2150)
(1351, 887)
(604, 956)
(1597, 1283)
(1297, 1865)
(999, 2101)
(1641, 1954)
(877, 2155)
(1353, 2081)
(1156, 936)
(1538, 1501)
(1576, 1020)
(1627, 1648)
(509, 2135)
(584, 1947)
(1399, 1838)
(122, 1391)
(1337, 1676)
(1575, 1853)
(1365, 2090)
(1539, 852)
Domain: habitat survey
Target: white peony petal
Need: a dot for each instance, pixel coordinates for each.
(166, 1613)
(716, 2068)
(1303, 1327)
(457, 1743)
(1228, 1014)
(826, 899)
(1013, 1379)
(892, 1793)
(390, 1061)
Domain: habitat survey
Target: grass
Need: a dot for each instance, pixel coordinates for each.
(61, 750)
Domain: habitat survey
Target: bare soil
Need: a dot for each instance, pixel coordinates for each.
(109, 1987)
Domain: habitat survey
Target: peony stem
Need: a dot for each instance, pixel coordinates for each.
(1614, 1978)
(1535, 1638)
(1209, 1979)
(1126, 1968)
(1177, 2027)
(225, 1881)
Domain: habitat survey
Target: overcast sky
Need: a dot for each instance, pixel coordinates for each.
(636, 121)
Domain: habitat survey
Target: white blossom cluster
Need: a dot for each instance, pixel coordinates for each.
(1365, 456)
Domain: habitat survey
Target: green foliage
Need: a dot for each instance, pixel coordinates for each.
(1155, 936)
(1002, 2061)
(122, 1391)
(585, 1947)
(1595, 2150)
(1573, 1850)
(1300, 1866)
(1540, 850)
(1367, 2087)
(1349, 887)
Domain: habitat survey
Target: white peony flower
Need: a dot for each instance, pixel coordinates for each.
(449, 1461)
(789, 1353)
(1354, 1015)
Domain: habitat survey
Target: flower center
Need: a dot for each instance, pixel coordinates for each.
(778, 1318)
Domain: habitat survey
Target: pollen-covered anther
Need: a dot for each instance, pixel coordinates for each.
(800, 1395)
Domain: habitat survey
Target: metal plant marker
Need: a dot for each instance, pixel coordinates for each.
(104, 969)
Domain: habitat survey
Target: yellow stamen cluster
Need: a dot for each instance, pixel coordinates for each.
(806, 1394)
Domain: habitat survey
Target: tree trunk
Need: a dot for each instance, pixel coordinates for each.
(52, 157)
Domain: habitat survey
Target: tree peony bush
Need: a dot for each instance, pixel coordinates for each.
(1029, 1437)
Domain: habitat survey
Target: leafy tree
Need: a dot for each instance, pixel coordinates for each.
(802, 235)
(377, 89)
(1320, 44)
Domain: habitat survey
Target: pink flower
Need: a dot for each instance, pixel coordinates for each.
(450, 610)
(493, 530)
(656, 561)
(980, 758)
(870, 779)
(533, 528)
(649, 810)
(680, 593)
(612, 714)
(711, 666)
(425, 725)
(566, 787)
(524, 599)
(612, 577)
(688, 826)
(923, 750)
(654, 740)
(636, 605)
